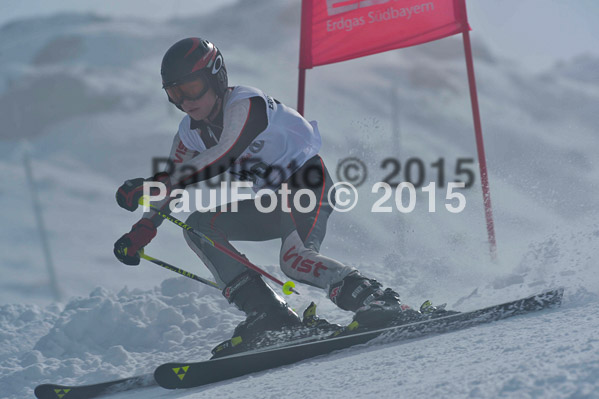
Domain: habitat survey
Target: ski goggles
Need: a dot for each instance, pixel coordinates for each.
(190, 91)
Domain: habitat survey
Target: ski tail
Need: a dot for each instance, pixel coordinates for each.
(54, 391)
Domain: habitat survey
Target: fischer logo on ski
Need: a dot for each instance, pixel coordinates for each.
(61, 392)
(181, 371)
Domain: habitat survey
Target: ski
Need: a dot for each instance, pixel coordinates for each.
(53, 391)
(194, 374)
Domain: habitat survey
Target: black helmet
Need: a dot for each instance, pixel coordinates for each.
(193, 58)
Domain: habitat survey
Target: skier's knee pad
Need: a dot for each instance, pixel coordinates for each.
(190, 221)
(199, 221)
(220, 265)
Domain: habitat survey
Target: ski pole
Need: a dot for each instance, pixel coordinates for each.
(176, 269)
(288, 287)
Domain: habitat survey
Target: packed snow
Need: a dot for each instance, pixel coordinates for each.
(81, 95)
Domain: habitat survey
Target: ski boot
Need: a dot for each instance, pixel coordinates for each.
(265, 310)
(373, 306)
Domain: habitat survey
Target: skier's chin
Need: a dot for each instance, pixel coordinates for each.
(196, 114)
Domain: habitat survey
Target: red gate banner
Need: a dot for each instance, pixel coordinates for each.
(339, 30)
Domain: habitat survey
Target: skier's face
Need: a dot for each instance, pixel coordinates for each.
(195, 97)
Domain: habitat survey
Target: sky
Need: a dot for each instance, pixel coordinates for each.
(536, 32)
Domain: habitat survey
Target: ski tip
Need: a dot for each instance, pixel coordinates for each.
(557, 292)
(551, 297)
(560, 293)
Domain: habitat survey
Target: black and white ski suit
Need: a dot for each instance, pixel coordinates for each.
(261, 140)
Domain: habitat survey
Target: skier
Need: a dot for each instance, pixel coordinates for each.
(224, 127)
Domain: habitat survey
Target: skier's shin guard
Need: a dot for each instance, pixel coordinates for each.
(308, 266)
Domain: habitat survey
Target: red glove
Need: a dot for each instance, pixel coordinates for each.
(126, 247)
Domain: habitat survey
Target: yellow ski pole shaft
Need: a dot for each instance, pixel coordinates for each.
(175, 269)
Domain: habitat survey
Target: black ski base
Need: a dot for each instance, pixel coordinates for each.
(190, 374)
(53, 391)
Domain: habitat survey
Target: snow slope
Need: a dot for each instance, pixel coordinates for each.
(84, 91)
(108, 335)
